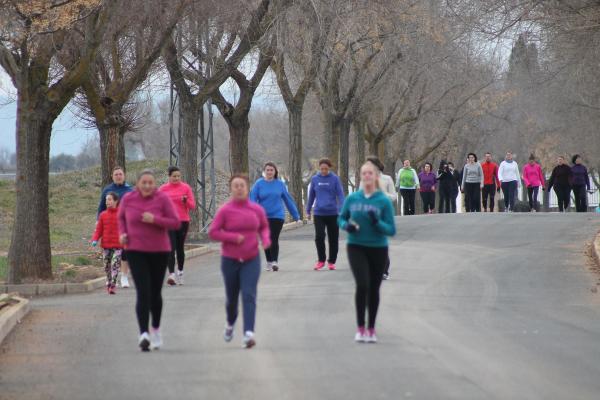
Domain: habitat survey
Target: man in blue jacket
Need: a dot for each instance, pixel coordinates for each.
(327, 196)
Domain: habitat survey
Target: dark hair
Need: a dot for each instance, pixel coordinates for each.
(532, 157)
(430, 166)
(325, 161)
(146, 172)
(377, 162)
(450, 163)
(114, 196)
(272, 164)
(118, 167)
(472, 154)
(574, 158)
(173, 168)
(442, 163)
(244, 177)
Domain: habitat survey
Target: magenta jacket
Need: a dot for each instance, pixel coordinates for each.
(237, 218)
(532, 175)
(143, 236)
(176, 191)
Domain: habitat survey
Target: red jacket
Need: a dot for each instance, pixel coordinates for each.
(107, 228)
(490, 173)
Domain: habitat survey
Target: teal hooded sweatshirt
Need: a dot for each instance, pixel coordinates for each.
(356, 208)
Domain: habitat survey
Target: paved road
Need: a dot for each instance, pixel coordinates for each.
(479, 307)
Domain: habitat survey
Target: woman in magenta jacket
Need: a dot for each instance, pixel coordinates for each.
(534, 179)
(145, 218)
(238, 225)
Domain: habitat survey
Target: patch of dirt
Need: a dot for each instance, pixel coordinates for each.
(69, 273)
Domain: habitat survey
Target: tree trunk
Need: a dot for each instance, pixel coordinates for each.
(238, 143)
(360, 150)
(29, 256)
(342, 132)
(332, 139)
(112, 150)
(295, 161)
(188, 155)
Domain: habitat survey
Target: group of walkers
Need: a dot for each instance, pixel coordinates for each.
(146, 227)
(480, 181)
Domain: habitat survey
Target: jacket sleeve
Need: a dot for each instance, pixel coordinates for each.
(386, 223)
(102, 203)
(340, 192)
(501, 172)
(481, 177)
(263, 228)
(289, 203)
(525, 179)
(216, 231)
(551, 180)
(417, 181)
(98, 232)
(191, 200)
(254, 192)
(391, 190)
(169, 218)
(311, 196)
(344, 216)
(121, 217)
(496, 176)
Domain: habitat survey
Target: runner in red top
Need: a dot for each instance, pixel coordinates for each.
(490, 181)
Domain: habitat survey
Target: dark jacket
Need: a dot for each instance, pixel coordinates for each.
(580, 175)
(561, 175)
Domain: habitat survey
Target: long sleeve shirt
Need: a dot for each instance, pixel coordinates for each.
(472, 173)
(407, 179)
(272, 196)
(244, 218)
(427, 182)
(561, 175)
(580, 175)
(356, 209)
(177, 192)
(325, 194)
(143, 236)
(509, 172)
(490, 173)
(532, 175)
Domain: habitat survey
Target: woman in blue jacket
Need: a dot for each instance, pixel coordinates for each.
(271, 193)
(368, 217)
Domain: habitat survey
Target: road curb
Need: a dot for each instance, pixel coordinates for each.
(596, 249)
(52, 289)
(13, 316)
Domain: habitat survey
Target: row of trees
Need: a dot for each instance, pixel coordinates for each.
(396, 78)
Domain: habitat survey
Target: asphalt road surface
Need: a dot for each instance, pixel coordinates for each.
(479, 307)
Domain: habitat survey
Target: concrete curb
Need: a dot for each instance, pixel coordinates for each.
(11, 317)
(51, 289)
(596, 249)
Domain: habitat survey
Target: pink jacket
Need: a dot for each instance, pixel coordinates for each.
(143, 236)
(532, 175)
(176, 192)
(237, 218)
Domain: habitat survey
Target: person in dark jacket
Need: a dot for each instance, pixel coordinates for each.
(580, 181)
(561, 181)
(446, 183)
(455, 186)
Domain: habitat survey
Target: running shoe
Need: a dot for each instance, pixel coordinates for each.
(228, 334)
(180, 278)
(124, 281)
(386, 277)
(275, 266)
(156, 341)
(331, 266)
(144, 342)
(371, 336)
(269, 266)
(319, 265)
(248, 342)
(111, 290)
(108, 289)
(171, 280)
(360, 336)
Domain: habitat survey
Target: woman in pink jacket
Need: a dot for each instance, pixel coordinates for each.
(182, 196)
(239, 224)
(145, 218)
(533, 178)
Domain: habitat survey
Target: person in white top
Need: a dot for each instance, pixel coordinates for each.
(387, 186)
(510, 181)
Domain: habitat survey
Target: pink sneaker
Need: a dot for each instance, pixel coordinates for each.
(319, 265)
(331, 266)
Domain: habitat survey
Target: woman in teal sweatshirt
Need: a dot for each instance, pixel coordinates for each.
(368, 217)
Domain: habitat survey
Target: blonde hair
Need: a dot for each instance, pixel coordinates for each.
(377, 172)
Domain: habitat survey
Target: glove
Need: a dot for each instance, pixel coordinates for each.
(351, 227)
(373, 217)
(94, 243)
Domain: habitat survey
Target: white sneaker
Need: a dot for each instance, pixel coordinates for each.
(144, 342)
(155, 339)
(361, 336)
(124, 281)
(275, 266)
(371, 337)
(269, 266)
(248, 341)
(180, 278)
(171, 280)
(228, 334)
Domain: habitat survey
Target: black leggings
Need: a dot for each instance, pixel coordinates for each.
(532, 195)
(328, 222)
(428, 199)
(367, 264)
(473, 197)
(178, 246)
(563, 193)
(148, 272)
(488, 191)
(275, 226)
(580, 198)
(408, 200)
(445, 199)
